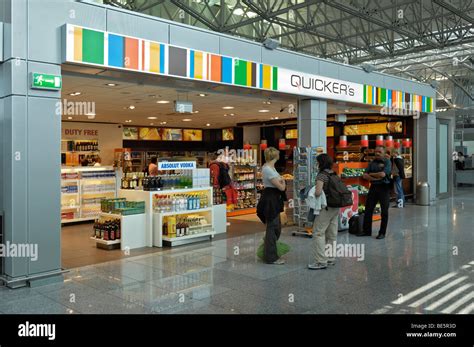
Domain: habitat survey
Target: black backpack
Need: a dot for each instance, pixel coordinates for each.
(337, 193)
(356, 224)
(224, 177)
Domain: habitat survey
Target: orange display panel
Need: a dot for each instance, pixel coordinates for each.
(374, 128)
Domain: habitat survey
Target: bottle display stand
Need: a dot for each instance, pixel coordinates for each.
(133, 232)
(154, 220)
(80, 195)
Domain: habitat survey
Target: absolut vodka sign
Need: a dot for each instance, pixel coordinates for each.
(319, 86)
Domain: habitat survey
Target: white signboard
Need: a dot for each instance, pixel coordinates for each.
(318, 86)
(176, 165)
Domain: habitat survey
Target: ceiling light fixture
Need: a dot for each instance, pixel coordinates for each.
(197, 111)
(187, 119)
(75, 93)
(152, 123)
(263, 111)
(228, 107)
(202, 94)
(69, 118)
(131, 107)
(111, 84)
(152, 117)
(128, 121)
(268, 102)
(162, 102)
(208, 125)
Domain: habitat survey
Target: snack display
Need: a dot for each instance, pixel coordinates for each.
(347, 172)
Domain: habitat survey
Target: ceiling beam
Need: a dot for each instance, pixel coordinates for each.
(455, 11)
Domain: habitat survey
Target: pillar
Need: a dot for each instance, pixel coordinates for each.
(312, 123)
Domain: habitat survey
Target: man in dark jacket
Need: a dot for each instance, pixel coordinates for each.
(378, 174)
(398, 174)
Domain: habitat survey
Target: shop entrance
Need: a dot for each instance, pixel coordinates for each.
(112, 128)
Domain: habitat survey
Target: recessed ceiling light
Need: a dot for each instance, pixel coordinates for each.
(128, 121)
(152, 117)
(111, 84)
(152, 123)
(187, 119)
(75, 93)
(228, 107)
(202, 94)
(162, 123)
(162, 102)
(69, 118)
(346, 111)
(208, 125)
(267, 102)
(263, 111)
(196, 111)
(131, 107)
(231, 114)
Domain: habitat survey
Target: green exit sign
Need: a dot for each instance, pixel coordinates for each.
(44, 81)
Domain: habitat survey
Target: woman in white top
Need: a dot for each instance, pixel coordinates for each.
(271, 204)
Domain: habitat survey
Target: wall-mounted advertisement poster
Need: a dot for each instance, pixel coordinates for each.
(192, 135)
(373, 129)
(228, 134)
(130, 133)
(149, 134)
(172, 134)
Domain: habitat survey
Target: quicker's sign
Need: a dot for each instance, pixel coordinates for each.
(105, 49)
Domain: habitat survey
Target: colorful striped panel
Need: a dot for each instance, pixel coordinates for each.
(197, 66)
(226, 71)
(215, 68)
(131, 53)
(92, 46)
(240, 71)
(116, 50)
(267, 77)
(77, 44)
(177, 58)
(275, 78)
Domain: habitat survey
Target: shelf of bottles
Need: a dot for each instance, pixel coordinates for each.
(181, 179)
(107, 230)
(182, 215)
(82, 190)
(244, 178)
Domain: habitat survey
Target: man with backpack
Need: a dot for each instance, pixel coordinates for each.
(378, 174)
(325, 227)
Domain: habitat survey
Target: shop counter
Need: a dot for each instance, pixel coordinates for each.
(464, 177)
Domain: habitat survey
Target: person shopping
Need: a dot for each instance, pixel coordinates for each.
(378, 174)
(398, 174)
(326, 224)
(270, 205)
(153, 167)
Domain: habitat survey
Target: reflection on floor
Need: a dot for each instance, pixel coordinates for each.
(424, 265)
(79, 250)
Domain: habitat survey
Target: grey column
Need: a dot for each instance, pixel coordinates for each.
(425, 151)
(30, 156)
(312, 123)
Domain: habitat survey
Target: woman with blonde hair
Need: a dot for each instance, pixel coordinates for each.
(271, 204)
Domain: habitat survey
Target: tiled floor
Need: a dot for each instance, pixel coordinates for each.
(425, 265)
(77, 249)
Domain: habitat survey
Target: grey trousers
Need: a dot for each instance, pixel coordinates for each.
(272, 234)
(324, 233)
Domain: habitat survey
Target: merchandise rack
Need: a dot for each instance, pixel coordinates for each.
(84, 211)
(248, 203)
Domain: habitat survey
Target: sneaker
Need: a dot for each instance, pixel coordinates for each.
(278, 262)
(331, 262)
(317, 266)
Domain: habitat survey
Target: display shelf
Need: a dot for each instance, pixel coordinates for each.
(98, 192)
(110, 215)
(70, 207)
(171, 239)
(67, 194)
(81, 152)
(164, 214)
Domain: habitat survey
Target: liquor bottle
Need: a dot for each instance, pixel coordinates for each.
(113, 229)
(165, 228)
(118, 233)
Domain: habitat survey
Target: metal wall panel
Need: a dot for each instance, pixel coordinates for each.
(15, 18)
(138, 26)
(240, 49)
(45, 44)
(279, 58)
(15, 179)
(196, 39)
(44, 127)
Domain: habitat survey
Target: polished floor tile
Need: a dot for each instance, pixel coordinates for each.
(424, 265)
